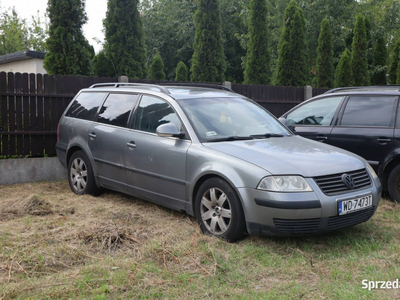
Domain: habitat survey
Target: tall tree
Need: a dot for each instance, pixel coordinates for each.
(359, 60)
(394, 63)
(343, 74)
(68, 52)
(257, 60)
(208, 61)
(325, 71)
(181, 72)
(157, 68)
(16, 34)
(398, 72)
(102, 66)
(379, 62)
(124, 38)
(292, 54)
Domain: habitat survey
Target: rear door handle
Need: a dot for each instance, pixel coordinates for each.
(384, 140)
(92, 136)
(131, 145)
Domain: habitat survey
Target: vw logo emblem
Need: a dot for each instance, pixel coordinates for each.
(348, 180)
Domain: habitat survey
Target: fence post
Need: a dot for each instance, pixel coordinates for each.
(307, 92)
(227, 84)
(123, 78)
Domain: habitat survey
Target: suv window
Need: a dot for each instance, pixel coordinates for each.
(116, 109)
(369, 111)
(319, 112)
(153, 112)
(85, 106)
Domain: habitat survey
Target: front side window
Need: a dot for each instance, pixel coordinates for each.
(374, 111)
(153, 112)
(85, 106)
(319, 112)
(116, 109)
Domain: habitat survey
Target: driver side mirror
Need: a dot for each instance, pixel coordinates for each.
(169, 130)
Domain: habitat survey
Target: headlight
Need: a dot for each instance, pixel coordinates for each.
(371, 171)
(284, 184)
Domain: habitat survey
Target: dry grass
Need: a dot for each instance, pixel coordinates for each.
(57, 245)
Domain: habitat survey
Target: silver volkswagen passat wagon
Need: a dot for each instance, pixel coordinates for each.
(214, 154)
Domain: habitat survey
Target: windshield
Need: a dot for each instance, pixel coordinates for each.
(218, 119)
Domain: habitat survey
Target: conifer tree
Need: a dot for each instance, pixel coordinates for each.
(102, 66)
(343, 74)
(325, 70)
(157, 68)
(181, 72)
(68, 51)
(394, 63)
(292, 53)
(379, 63)
(398, 72)
(124, 38)
(208, 61)
(258, 59)
(359, 60)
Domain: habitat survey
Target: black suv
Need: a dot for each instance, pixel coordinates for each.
(363, 120)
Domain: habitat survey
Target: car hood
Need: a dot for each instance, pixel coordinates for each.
(292, 155)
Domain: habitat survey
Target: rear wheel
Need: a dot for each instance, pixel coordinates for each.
(219, 211)
(394, 184)
(80, 175)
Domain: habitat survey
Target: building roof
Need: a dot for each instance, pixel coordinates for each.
(21, 55)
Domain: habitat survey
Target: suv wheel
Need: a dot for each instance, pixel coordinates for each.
(80, 175)
(219, 211)
(394, 184)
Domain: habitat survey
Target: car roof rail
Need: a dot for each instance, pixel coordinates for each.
(394, 87)
(195, 84)
(129, 84)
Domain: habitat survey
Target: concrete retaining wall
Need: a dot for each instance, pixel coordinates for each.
(31, 170)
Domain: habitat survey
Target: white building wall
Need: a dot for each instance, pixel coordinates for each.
(33, 65)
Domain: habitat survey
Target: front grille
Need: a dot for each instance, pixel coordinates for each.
(333, 184)
(294, 226)
(351, 219)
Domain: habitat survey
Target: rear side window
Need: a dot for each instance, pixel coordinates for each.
(371, 111)
(116, 109)
(153, 112)
(318, 112)
(85, 106)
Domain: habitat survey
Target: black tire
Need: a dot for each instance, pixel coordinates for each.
(80, 175)
(223, 217)
(394, 184)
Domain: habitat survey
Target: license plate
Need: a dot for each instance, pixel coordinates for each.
(353, 205)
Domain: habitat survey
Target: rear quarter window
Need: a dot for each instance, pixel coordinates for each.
(85, 106)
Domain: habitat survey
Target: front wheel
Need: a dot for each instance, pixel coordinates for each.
(394, 184)
(219, 211)
(80, 175)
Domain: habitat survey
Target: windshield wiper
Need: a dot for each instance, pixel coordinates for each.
(230, 138)
(267, 135)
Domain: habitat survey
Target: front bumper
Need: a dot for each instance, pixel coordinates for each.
(283, 214)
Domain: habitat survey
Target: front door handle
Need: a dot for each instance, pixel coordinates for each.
(321, 138)
(92, 136)
(131, 145)
(384, 140)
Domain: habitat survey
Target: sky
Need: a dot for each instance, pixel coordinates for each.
(95, 10)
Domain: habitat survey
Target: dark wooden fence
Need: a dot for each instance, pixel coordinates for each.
(31, 106)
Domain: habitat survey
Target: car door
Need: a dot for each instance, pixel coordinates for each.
(156, 166)
(107, 139)
(366, 127)
(314, 120)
